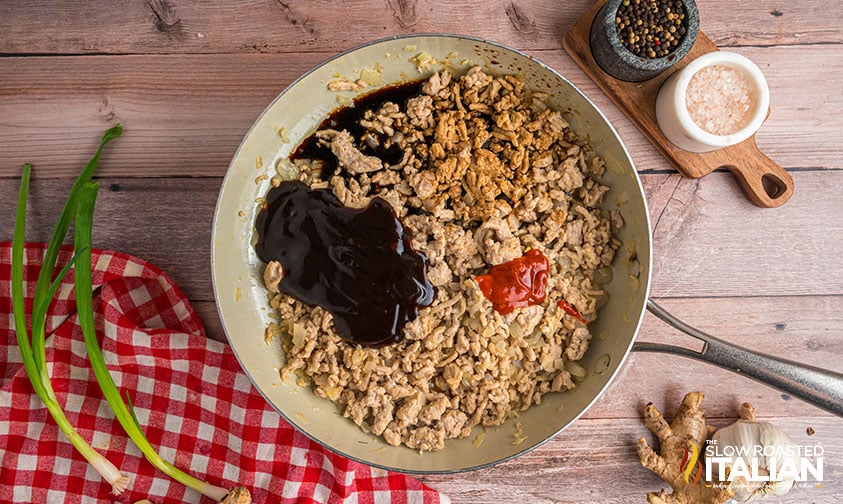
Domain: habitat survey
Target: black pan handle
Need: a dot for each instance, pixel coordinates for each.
(820, 387)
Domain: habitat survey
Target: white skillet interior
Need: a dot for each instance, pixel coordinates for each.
(242, 300)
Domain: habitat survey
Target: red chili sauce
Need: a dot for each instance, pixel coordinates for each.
(515, 284)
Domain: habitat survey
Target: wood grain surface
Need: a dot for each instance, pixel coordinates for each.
(186, 114)
(187, 78)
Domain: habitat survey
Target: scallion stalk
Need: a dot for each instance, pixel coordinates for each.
(80, 206)
(41, 301)
(35, 363)
(85, 311)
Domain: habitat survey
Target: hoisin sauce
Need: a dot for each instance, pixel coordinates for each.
(358, 264)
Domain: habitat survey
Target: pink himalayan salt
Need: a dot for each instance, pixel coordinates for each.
(719, 99)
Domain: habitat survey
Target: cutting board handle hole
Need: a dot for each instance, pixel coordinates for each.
(773, 186)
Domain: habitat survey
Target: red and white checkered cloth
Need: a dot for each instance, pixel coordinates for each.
(196, 405)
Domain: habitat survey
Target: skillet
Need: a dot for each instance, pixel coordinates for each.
(242, 299)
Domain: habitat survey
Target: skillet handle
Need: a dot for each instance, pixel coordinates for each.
(821, 387)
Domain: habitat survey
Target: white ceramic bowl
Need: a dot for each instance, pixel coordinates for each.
(675, 121)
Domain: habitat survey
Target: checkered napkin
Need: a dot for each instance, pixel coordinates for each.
(194, 402)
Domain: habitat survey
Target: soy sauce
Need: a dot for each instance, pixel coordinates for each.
(359, 264)
(348, 118)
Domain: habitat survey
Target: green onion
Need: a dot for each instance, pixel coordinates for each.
(80, 205)
(35, 362)
(39, 310)
(84, 305)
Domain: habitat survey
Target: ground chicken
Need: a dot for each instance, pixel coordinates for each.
(488, 170)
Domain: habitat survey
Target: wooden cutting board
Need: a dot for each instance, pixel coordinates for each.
(763, 181)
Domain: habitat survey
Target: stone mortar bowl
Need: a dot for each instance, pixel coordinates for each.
(619, 62)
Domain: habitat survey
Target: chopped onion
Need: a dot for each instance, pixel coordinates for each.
(603, 275)
(575, 369)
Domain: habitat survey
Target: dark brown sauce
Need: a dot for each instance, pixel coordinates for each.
(348, 118)
(358, 264)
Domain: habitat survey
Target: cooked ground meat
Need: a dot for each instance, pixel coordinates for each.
(488, 171)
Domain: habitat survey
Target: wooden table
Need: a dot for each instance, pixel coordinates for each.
(187, 78)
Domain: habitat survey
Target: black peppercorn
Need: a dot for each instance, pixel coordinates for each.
(650, 28)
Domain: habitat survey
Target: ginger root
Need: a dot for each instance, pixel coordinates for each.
(238, 495)
(688, 427)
